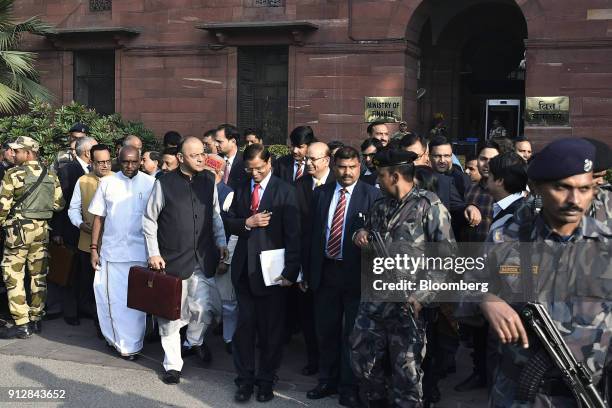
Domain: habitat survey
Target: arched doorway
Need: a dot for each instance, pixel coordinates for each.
(470, 53)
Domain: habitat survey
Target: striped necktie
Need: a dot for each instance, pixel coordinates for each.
(300, 171)
(335, 236)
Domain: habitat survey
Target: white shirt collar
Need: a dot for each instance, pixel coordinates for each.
(84, 165)
(349, 189)
(322, 179)
(230, 160)
(264, 182)
(505, 203)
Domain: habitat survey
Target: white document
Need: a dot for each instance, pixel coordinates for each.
(272, 265)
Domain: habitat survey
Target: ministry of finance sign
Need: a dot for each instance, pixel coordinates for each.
(385, 108)
(547, 111)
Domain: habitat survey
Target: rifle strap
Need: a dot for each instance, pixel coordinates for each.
(29, 192)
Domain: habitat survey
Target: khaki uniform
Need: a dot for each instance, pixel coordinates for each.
(27, 237)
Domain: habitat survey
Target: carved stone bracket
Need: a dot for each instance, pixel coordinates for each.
(246, 33)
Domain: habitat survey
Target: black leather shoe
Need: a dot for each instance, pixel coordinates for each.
(310, 370)
(264, 393)
(131, 357)
(228, 347)
(21, 331)
(321, 391)
(203, 353)
(473, 382)
(36, 326)
(72, 321)
(243, 394)
(172, 377)
(350, 399)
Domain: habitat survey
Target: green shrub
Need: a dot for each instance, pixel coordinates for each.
(279, 150)
(49, 127)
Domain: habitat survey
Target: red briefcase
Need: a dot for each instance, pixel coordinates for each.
(154, 292)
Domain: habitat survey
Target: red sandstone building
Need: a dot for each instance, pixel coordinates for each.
(189, 65)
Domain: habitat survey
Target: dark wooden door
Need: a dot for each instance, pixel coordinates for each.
(262, 91)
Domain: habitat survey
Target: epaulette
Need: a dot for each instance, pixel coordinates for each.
(432, 198)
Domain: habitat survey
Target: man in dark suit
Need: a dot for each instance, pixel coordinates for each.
(507, 183)
(227, 138)
(65, 234)
(334, 273)
(319, 174)
(441, 157)
(293, 166)
(369, 147)
(262, 215)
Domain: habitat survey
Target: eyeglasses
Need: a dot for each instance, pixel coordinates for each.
(314, 159)
(103, 162)
(259, 169)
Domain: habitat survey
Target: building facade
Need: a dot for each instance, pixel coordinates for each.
(188, 65)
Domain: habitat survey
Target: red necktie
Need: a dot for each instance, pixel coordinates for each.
(300, 171)
(335, 235)
(255, 198)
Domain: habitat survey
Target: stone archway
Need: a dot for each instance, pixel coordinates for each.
(438, 21)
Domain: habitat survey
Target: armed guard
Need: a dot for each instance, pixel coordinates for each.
(601, 208)
(406, 219)
(29, 196)
(566, 269)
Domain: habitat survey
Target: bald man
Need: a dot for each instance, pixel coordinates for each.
(185, 237)
(318, 157)
(117, 206)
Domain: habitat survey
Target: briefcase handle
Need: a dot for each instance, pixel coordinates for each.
(152, 276)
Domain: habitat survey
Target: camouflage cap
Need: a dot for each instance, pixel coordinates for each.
(24, 142)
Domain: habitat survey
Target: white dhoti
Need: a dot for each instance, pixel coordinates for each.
(195, 312)
(122, 327)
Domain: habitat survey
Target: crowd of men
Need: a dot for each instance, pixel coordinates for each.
(204, 210)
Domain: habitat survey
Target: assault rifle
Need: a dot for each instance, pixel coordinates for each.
(378, 244)
(575, 375)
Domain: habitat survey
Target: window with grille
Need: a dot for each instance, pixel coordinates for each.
(100, 5)
(94, 80)
(263, 91)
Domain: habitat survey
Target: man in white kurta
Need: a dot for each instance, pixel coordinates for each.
(119, 204)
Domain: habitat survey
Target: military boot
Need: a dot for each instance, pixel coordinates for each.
(21, 331)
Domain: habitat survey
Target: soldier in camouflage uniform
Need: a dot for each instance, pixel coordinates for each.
(406, 219)
(25, 221)
(570, 264)
(77, 131)
(601, 208)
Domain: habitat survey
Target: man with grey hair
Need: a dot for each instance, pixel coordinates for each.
(129, 140)
(134, 141)
(63, 233)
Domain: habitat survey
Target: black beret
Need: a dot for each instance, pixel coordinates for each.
(79, 127)
(392, 157)
(603, 155)
(561, 159)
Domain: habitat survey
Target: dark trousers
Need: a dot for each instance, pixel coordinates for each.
(79, 300)
(307, 324)
(261, 319)
(335, 311)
